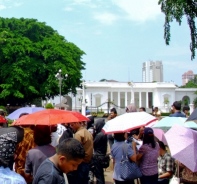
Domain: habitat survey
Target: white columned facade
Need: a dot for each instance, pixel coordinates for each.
(111, 96)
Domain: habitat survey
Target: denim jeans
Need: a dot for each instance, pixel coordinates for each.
(163, 180)
(149, 179)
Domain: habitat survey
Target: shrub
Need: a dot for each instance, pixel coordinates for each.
(49, 106)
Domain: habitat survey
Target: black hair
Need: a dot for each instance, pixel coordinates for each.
(143, 108)
(71, 148)
(161, 145)
(42, 135)
(23, 114)
(113, 110)
(186, 108)
(177, 105)
(149, 139)
(2, 113)
(3, 163)
(119, 137)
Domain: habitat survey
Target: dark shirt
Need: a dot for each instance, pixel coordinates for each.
(36, 156)
(178, 114)
(48, 173)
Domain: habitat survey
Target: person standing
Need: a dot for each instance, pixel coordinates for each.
(166, 165)
(100, 150)
(157, 113)
(186, 110)
(147, 157)
(81, 176)
(117, 153)
(176, 108)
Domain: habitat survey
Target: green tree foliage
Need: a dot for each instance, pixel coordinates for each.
(31, 53)
(175, 10)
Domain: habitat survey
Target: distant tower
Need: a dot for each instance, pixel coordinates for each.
(187, 76)
(152, 71)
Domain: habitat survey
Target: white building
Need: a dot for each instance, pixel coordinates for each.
(152, 71)
(105, 95)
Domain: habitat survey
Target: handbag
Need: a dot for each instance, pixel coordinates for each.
(104, 160)
(175, 179)
(128, 170)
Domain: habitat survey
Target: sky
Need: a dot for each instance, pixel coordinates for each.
(116, 35)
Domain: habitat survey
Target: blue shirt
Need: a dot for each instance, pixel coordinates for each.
(117, 153)
(177, 114)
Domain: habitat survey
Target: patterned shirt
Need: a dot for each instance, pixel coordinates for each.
(166, 164)
(148, 164)
(22, 149)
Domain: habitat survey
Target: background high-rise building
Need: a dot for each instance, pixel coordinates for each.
(152, 71)
(187, 76)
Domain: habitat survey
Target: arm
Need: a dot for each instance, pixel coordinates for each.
(167, 174)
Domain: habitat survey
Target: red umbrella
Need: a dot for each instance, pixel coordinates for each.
(2, 119)
(51, 117)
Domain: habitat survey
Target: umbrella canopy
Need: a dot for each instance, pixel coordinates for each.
(2, 119)
(193, 116)
(127, 122)
(51, 117)
(182, 142)
(159, 134)
(167, 122)
(15, 115)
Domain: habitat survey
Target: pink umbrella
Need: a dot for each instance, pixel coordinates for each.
(182, 142)
(159, 133)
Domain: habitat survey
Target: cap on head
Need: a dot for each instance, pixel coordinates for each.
(148, 131)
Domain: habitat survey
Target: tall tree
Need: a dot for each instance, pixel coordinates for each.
(175, 10)
(31, 53)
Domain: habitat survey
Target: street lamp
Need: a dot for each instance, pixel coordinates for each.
(60, 78)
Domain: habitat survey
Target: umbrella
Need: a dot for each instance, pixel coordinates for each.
(127, 122)
(15, 115)
(167, 122)
(182, 143)
(193, 116)
(159, 134)
(50, 117)
(2, 119)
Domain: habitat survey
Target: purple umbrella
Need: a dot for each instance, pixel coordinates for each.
(182, 142)
(15, 115)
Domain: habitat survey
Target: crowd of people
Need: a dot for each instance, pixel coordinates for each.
(74, 153)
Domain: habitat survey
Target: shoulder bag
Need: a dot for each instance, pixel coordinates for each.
(128, 170)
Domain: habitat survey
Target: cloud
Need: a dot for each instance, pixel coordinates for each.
(2, 7)
(105, 18)
(68, 9)
(140, 10)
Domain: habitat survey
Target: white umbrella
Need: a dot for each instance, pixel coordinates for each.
(127, 122)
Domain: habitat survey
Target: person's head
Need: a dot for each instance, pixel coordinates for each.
(119, 137)
(186, 110)
(142, 109)
(76, 125)
(176, 106)
(42, 135)
(70, 153)
(162, 147)
(149, 137)
(131, 108)
(113, 113)
(2, 113)
(3, 163)
(99, 124)
(156, 109)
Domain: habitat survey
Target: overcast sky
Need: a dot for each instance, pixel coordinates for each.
(116, 35)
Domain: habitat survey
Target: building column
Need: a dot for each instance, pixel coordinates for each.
(118, 99)
(140, 99)
(125, 99)
(111, 96)
(147, 100)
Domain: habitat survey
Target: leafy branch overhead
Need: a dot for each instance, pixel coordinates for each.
(31, 53)
(175, 10)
